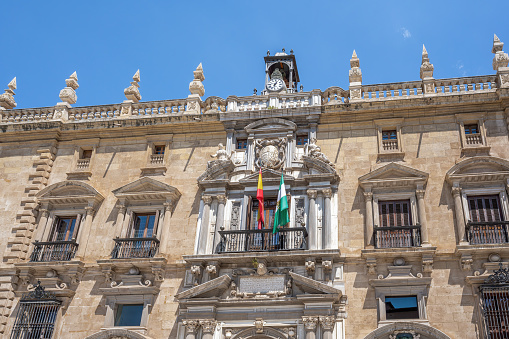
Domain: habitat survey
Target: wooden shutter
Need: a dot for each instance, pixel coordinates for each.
(156, 223)
(79, 217)
(395, 213)
(484, 208)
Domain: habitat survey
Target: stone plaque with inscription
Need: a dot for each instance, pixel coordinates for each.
(262, 284)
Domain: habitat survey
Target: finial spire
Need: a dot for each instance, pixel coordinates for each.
(68, 94)
(355, 77)
(7, 99)
(196, 86)
(133, 92)
(500, 61)
(426, 67)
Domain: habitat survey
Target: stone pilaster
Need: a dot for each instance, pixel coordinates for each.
(221, 202)
(312, 226)
(208, 327)
(202, 241)
(327, 222)
(421, 208)
(327, 323)
(460, 217)
(191, 328)
(310, 325)
(368, 236)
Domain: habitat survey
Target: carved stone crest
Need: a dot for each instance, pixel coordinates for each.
(270, 153)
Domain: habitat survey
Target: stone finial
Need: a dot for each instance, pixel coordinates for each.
(196, 86)
(500, 59)
(426, 67)
(7, 99)
(133, 92)
(68, 94)
(355, 77)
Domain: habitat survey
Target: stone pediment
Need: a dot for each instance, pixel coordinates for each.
(269, 177)
(271, 125)
(147, 189)
(318, 166)
(212, 288)
(70, 192)
(312, 286)
(479, 169)
(217, 170)
(393, 175)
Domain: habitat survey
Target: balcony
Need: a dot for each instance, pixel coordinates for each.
(488, 232)
(53, 251)
(397, 236)
(126, 248)
(287, 239)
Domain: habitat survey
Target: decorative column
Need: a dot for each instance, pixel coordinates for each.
(120, 218)
(208, 327)
(327, 323)
(310, 324)
(312, 220)
(327, 222)
(84, 232)
(368, 236)
(191, 328)
(421, 207)
(221, 200)
(205, 219)
(165, 232)
(460, 217)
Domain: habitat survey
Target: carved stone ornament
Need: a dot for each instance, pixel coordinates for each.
(221, 153)
(500, 59)
(466, 262)
(404, 334)
(270, 153)
(327, 323)
(259, 325)
(500, 276)
(426, 67)
(312, 150)
(133, 92)
(68, 94)
(196, 86)
(208, 326)
(310, 266)
(355, 73)
(191, 325)
(310, 323)
(7, 99)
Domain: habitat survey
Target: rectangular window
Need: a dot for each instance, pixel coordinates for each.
(396, 229)
(484, 208)
(35, 320)
(401, 308)
(159, 150)
(485, 226)
(301, 140)
(269, 207)
(128, 315)
(395, 213)
(241, 144)
(471, 129)
(86, 154)
(389, 135)
(144, 225)
(495, 311)
(65, 228)
(390, 141)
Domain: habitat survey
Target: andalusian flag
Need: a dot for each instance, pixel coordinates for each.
(281, 218)
(259, 196)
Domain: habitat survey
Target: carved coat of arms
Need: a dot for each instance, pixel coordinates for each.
(270, 153)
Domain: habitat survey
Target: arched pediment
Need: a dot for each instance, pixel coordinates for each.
(117, 333)
(147, 188)
(70, 192)
(425, 331)
(479, 169)
(217, 171)
(393, 175)
(268, 333)
(271, 125)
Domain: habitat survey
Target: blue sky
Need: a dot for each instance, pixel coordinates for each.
(43, 42)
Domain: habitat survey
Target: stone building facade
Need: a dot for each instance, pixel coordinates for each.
(139, 219)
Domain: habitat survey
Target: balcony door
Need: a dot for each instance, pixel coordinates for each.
(395, 216)
(486, 226)
(65, 228)
(144, 225)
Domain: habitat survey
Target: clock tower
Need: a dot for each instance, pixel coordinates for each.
(281, 73)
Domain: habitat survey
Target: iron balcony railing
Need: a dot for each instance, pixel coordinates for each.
(126, 248)
(494, 304)
(487, 232)
(264, 240)
(397, 236)
(54, 251)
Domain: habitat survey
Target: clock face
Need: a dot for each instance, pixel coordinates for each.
(275, 85)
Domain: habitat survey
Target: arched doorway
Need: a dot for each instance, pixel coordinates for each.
(406, 330)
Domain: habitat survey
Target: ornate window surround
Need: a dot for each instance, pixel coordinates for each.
(389, 124)
(472, 118)
(81, 171)
(156, 167)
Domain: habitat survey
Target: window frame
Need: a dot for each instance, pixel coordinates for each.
(397, 196)
(401, 290)
(127, 225)
(470, 192)
(386, 128)
(112, 302)
(482, 132)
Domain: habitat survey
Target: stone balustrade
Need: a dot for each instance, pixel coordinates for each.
(331, 96)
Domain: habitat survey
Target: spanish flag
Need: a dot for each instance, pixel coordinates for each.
(259, 196)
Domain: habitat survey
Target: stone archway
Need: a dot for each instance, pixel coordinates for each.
(117, 333)
(425, 331)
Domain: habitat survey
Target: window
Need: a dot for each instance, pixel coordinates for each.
(241, 144)
(395, 225)
(389, 137)
(159, 149)
(472, 129)
(494, 305)
(86, 154)
(37, 315)
(65, 228)
(485, 226)
(301, 140)
(269, 208)
(473, 134)
(389, 141)
(143, 225)
(404, 307)
(128, 315)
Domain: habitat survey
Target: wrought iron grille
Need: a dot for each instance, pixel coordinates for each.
(494, 305)
(263, 240)
(487, 232)
(397, 236)
(135, 248)
(37, 314)
(54, 251)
